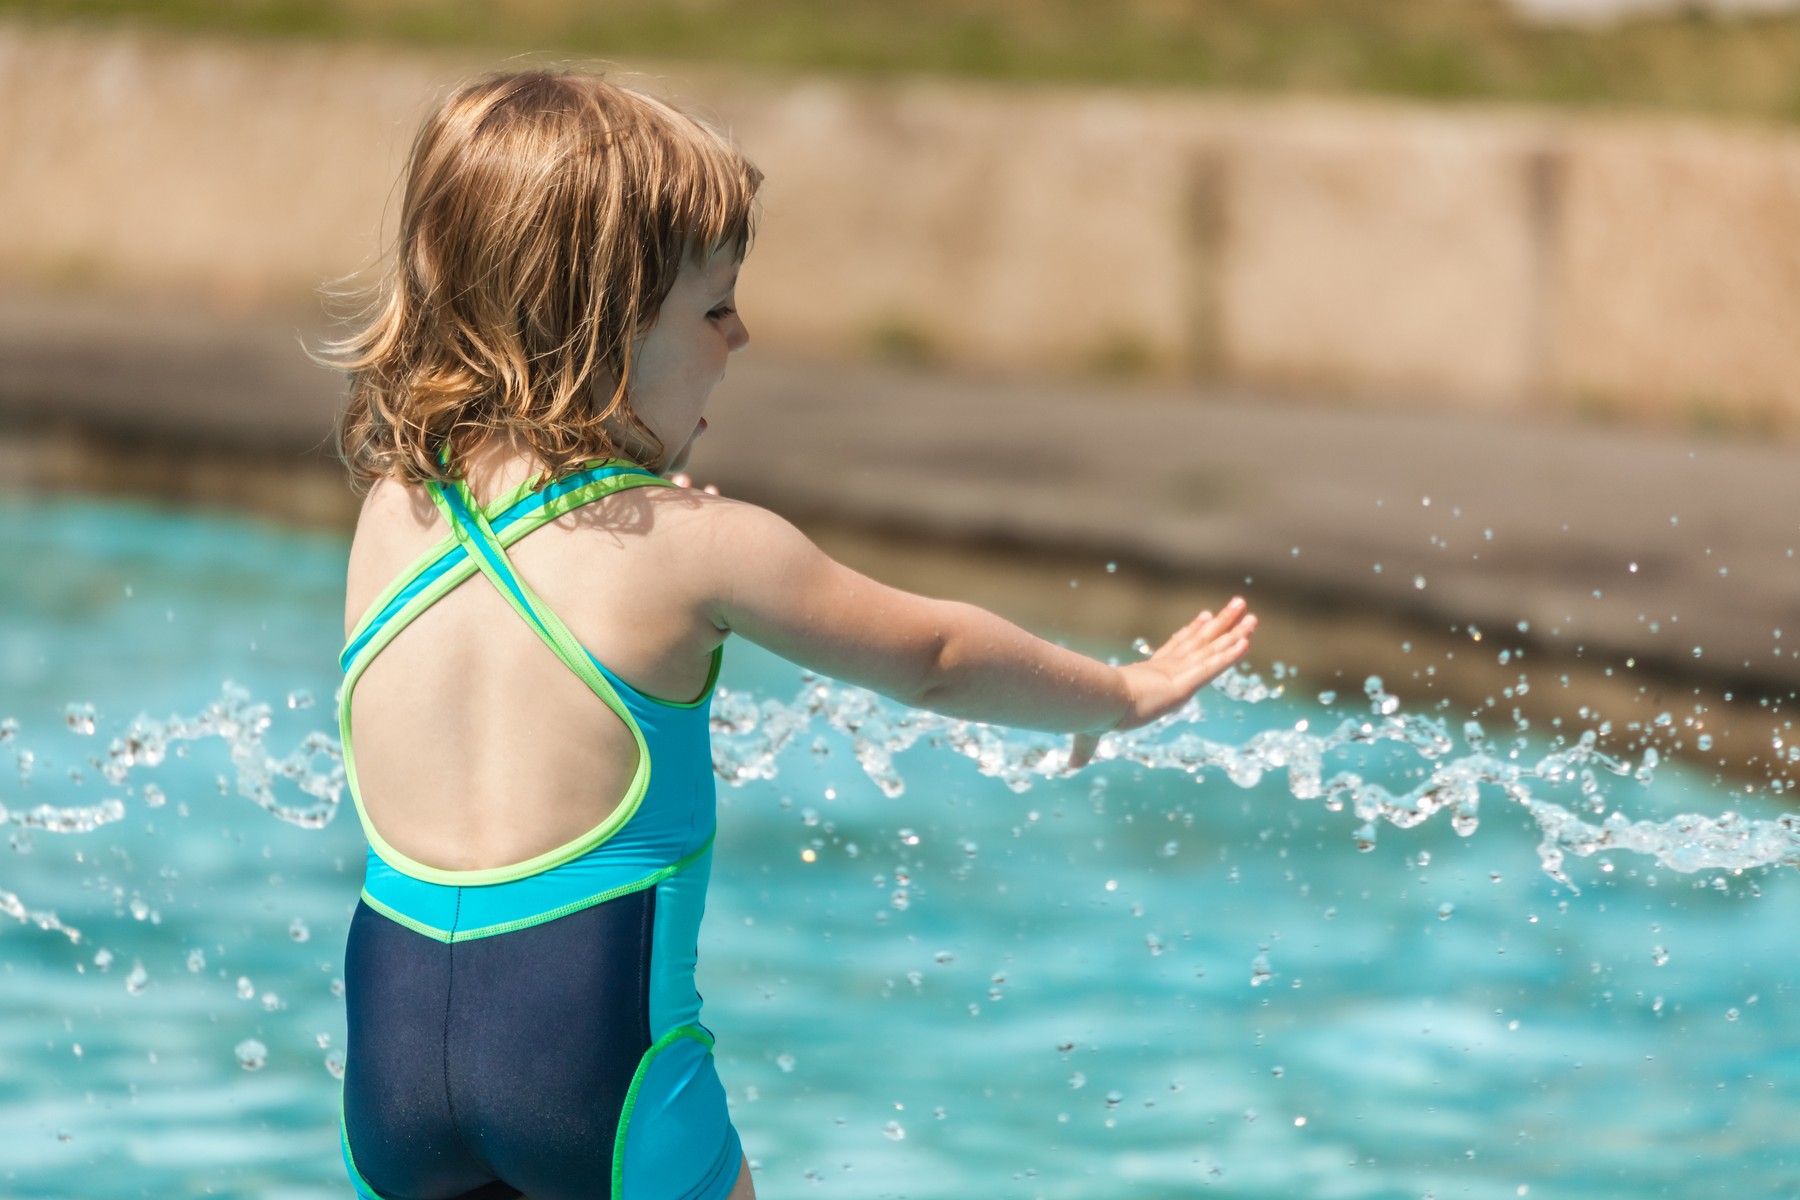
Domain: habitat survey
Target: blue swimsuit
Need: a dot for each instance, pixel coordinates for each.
(534, 1029)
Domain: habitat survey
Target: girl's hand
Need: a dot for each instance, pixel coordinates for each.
(1193, 656)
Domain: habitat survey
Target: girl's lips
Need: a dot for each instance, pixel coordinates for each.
(700, 428)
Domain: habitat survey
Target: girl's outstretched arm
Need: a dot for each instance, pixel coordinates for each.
(767, 582)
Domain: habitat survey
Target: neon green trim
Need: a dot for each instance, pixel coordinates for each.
(637, 1081)
(712, 678)
(468, 935)
(569, 650)
(399, 918)
(555, 508)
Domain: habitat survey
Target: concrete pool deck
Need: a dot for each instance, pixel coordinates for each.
(1670, 554)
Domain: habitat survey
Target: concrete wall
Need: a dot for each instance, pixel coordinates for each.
(1452, 256)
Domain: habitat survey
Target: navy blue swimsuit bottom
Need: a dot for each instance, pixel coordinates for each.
(533, 1030)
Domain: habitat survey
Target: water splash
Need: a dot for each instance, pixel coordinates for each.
(15, 908)
(314, 767)
(751, 737)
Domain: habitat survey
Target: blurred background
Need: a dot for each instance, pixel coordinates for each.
(1218, 293)
(1459, 335)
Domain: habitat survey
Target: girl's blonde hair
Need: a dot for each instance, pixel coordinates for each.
(545, 218)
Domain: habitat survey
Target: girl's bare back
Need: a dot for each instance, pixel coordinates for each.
(475, 746)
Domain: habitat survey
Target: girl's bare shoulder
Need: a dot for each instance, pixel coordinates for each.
(678, 513)
(396, 524)
(703, 545)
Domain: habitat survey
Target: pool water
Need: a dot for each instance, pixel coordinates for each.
(1146, 979)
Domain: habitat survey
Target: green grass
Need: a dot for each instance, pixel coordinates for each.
(1428, 49)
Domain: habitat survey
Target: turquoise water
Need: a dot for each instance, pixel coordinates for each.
(925, 982)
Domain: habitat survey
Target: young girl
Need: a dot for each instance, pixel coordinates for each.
(528, 751)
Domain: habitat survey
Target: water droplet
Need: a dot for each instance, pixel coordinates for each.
(1114, 1098)
(245, 991)
(298, 931)
(1444, 910)
(908, 838)
(138, 980)
(153, 796)
(786, 1063)
(1703, 743)
(1658, 955)
(334, 1063)
(1419, 582)
(893, 1132)
(271, 1002)
(1112, 568)
(1731, 1014)
(943, 957)
(103, 958)
(1260, 973)
(1077, 1081)
(81, 718)
(251, 1054)
(196, 960)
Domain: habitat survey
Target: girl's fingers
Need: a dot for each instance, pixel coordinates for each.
(1208, 625)
(1081, 750)
(1193, 656)
(1204, 670)
(1173, 642)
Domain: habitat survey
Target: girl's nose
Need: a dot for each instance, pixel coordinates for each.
(737, 334)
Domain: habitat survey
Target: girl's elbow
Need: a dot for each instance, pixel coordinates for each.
(929, 679)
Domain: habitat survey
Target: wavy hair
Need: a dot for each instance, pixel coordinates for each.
(545, 218)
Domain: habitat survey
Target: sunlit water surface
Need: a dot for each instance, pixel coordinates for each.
(1281, 946)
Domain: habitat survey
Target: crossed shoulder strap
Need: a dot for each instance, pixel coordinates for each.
(477, 542)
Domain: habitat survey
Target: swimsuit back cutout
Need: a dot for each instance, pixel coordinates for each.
(477, 543)
(534, 1028)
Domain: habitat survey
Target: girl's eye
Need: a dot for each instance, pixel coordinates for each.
(721, 312)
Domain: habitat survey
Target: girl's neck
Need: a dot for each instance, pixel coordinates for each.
(497, 465)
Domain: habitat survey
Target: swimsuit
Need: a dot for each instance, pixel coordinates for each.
(534, 1029)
